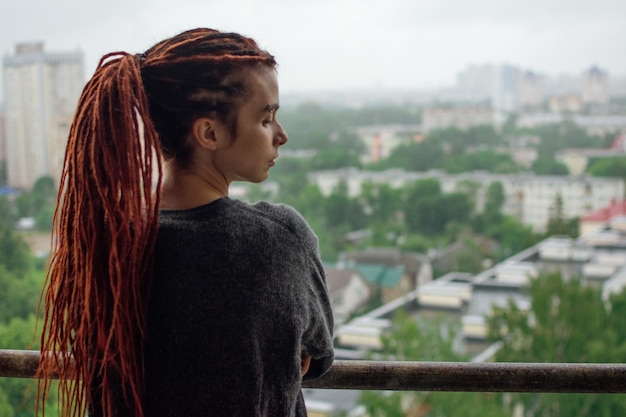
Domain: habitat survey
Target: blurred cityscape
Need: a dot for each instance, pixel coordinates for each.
(444, 204)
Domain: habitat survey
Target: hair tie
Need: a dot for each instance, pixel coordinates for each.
(140, 58)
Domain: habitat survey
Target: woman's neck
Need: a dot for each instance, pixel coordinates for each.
(188, 188)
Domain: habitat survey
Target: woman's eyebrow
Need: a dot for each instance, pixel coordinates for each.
(271, 107)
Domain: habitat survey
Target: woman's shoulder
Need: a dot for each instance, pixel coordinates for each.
(283, 215)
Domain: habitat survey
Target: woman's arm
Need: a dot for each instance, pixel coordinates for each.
(306, 363)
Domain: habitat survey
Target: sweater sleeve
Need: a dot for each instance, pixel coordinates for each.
(317, 339)
(315, 309)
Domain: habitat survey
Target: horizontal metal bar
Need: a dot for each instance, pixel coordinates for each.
(474, 377)
(426, 376)
(18, 363)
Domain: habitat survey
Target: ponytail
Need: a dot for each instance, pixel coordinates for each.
(106, 220)
(104, 232)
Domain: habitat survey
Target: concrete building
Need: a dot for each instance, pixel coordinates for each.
(41, 92)
(381, 140)
(459, 117)
(577, 159)
(565, 103)
(532, 199)
(593, 124)
(530, 89)
(466, 301)
(595, 86)
(3, 141)
(500, 84)
(348, 292)
(600, 219)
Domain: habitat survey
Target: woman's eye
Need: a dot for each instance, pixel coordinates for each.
(266, 122)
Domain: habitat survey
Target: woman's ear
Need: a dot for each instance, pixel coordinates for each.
(206, 132)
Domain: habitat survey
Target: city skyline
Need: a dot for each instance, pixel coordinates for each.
(347, 44)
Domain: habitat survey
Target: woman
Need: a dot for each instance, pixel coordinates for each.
(173, 299)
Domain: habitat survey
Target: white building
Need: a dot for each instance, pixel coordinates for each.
(459, 117)
(530, 89)
(348, 292)
(498, 83)
(595, 86)
(381, 140)
(532, 199)
(3, 141)
(41, 93)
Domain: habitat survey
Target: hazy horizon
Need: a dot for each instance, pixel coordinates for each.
(347, 45)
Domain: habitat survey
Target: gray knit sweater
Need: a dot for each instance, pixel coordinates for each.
(239, 294)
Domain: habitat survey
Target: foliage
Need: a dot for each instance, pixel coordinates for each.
(341, 210)
(454, 151)
(312, 126)
(481, 160)
(14, 253)
(608, 167)
(18, 396)
(39, 203)
(547, 165)
(19, 293)
(558, 225)
(415, 340)
(416, 156)
(20, 288)
(567, 322)
(558, 136)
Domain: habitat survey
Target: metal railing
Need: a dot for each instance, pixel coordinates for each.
(426, 376)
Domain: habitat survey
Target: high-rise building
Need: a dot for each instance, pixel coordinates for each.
(3, 142)
(530, 89)
(595, 86)
(41, 92)
(497, 83)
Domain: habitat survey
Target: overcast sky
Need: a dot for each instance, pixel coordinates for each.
(346, 44)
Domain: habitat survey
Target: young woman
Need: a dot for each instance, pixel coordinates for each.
(170, 298)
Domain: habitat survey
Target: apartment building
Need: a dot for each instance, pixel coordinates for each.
(381, 140)
(41, 92)
(530, 89)
(595, 86)
(499, 84)
(462, 117)
(532, 199)
(3, 141)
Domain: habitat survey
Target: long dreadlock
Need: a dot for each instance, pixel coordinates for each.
(135, 111)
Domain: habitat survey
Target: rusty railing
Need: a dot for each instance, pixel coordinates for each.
(426, 376)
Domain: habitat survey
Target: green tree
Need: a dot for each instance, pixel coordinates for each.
(512, 236)
(335, 158)
(19, 294)
(3, 175)
(342, 212)
(559, 225)
(547, 165)
(433, 340)
(39, 203)
(482, 135)
(14, 253)
(492, 216)
(381, 202)
(422, 212)
(18, 395)
(416, 156)
(291, 175)
(482, 160)
(6, 410)
(566, 322)
(456, 207)
(608, 167)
